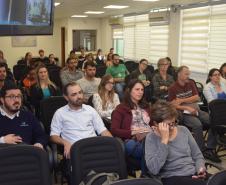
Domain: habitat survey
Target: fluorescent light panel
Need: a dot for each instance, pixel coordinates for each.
(94, 12)
(56, 4)
(79, 16)
(116, 6)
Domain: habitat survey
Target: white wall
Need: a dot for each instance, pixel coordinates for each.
(49, 43)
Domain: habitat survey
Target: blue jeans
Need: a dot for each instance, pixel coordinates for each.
(119, 88)
(135, 149)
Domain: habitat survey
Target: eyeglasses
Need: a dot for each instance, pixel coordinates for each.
(12, 97)
(173, 124)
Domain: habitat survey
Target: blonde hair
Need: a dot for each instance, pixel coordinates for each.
(101, 91)
(49, 82)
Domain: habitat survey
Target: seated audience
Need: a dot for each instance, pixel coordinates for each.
(89, 58)
(106, 99)
(70, 72)
(42, 58)
(162, 80)
(43, 89)
(29, 80)
(145, 76)
(118, 72)
(89, 83)
(215, 88)
(3, 76)
(223, 70)
(27, 61)
(131, 120)
(184, 95)
(82, 56)
(18, 126)
(75, 121)
(108, 62)
(100, 58)
(2, 59)
(171, 151)
(171, 70)
(52, 60)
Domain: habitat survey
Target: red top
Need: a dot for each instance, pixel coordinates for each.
(178, 91)
(121, 121)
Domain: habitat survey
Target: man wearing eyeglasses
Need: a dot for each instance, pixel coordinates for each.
(18, 126)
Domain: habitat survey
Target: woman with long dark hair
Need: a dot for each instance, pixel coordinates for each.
(131, 119)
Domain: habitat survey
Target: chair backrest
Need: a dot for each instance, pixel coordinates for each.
(47, 109)
(131, 65)
(24, 165)
(101, 154)
(218, 179)
(217, 112)
(19, 71)
(141, 181)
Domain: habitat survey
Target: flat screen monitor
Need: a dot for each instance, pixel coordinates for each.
(26, 17)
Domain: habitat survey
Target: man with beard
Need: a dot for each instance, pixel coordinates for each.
(73, 122)
(118, 72)
(89, 83)
(18, 126)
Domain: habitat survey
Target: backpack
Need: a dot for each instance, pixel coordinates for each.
(103, 178)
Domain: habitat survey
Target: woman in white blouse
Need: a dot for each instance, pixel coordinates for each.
(106, 99)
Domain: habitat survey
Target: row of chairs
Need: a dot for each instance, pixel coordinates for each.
(28, 165)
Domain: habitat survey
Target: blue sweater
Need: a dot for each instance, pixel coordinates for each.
(25, 125)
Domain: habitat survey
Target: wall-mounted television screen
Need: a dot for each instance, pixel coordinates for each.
(26, 17)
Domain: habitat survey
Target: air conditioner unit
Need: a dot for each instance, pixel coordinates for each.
(116, 21)
(159, 18)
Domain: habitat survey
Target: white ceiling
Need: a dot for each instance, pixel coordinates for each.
(71, 7)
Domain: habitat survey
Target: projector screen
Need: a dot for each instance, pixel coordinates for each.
(26, 17)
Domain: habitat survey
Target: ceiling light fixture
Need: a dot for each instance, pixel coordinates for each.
(79, 16)
(116, 7)
(94, 12)
(56, 4)
(147, 0)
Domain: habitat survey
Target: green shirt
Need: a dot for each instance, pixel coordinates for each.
(119, 71)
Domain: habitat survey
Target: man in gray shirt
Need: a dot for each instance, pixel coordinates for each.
(89, 83)
(70, 73)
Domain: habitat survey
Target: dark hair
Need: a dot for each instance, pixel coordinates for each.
(8, 86)
(111, 49)
(26, 55)
(71, 58)
(221, 69)
(65, 88)
(99, 50)
(142, 60)
(41, 50)
(169, 60)
(163, 110)
(115, 55)
(89, 63)
(127, 97)
(4, 65)
(109, 55)
(210, 74)
(51, 55)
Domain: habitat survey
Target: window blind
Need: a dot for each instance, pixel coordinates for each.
(158, 42)
(217, 36)
(194, 38)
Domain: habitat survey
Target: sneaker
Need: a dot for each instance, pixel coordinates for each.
(211, 155)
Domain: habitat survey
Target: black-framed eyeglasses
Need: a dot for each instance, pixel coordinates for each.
(13, 97)
(173, 124)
